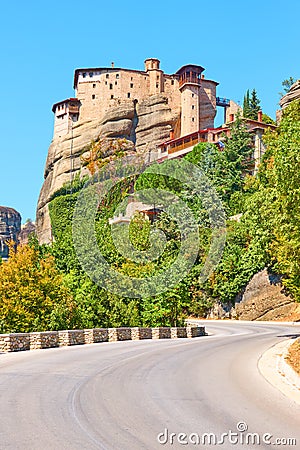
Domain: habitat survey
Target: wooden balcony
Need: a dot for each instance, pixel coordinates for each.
(187, 78)
(184, 142)
(73, 109)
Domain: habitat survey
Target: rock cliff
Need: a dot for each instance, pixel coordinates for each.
(264, 299)
(293, 94)
(10, 226)
(27, 230)
(144, 124)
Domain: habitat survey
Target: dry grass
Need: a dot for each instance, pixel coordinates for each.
(293, 316)
(293, 357)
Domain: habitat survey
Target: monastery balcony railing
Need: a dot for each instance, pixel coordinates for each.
(73, 109)
(189, 80)
(183, 143)
(221, 101)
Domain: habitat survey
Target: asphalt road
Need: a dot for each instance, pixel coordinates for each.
(122, 395)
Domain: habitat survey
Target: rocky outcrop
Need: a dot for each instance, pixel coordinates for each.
(27, 230)
(264, 299)
(293, 94)
(144, 124)
(10, 226)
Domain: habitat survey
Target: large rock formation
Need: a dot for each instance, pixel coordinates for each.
(144, 124)
(293, 94)
(10, 226)
(264, 299)
(27, 230)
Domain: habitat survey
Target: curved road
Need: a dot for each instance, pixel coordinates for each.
(121, 396)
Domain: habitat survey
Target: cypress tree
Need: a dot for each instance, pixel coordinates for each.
(254, 105)
(246, 105)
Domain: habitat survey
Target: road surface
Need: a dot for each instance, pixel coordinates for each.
(126, 395)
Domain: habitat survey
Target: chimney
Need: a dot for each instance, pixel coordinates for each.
(112, 64)
(202, 76)
(231, 117)
(259, 116)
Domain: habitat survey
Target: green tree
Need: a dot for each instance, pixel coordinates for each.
(287, 84)
(251, 105)
(280, 172)
(267, 119)
(33, 296)
(254, 105)
(246, 105)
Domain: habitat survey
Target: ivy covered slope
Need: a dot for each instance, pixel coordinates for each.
(252, 243)
(45, 287)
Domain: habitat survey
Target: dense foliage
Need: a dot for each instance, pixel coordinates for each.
(251, 105)
(45, 287)
(32, 293)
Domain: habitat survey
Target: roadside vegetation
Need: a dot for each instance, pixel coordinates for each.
(45, 287)
(293, 357)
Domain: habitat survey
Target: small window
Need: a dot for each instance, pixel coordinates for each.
(131, 85)
(193, 106)
(94, 85)
(128, 95)
(111, 97)
(105, 82)
(172, 82)
(84, 74)
(157, 85)
(157, 77)
(193, 95)
(131, 78)
(93, 96)
(116, 82)
(110, 86)
(107, 75)
(91, 74)
(193, 119)
(117, 75)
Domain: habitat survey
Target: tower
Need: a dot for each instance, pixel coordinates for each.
(189, 86)
(155, 75)
(65, 112)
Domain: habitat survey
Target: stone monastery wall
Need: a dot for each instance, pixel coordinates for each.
(97, 90)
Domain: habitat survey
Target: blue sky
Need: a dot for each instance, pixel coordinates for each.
(241, 44)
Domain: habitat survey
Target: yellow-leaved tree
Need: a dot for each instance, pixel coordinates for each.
(32, 294)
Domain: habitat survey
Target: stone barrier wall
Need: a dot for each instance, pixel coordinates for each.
(48, 339)
(138, 333)
(14, 342)
(161, 333)
(178, 332)
(71, 337)
(193, 331)
(95, 335)
(119, 334)
(44, 339)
